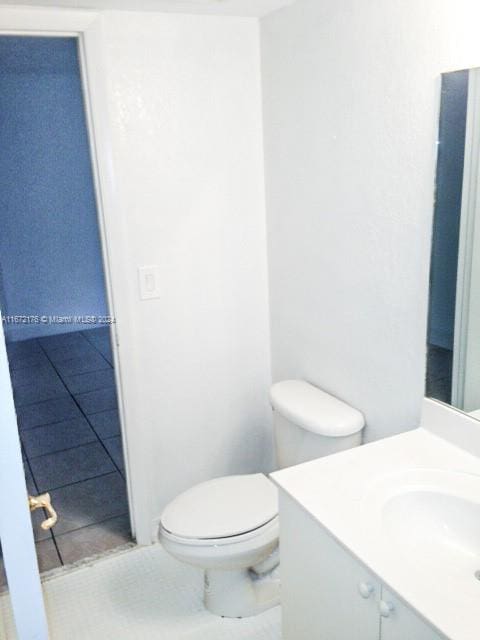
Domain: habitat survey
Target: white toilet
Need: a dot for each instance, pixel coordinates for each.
(229, 526)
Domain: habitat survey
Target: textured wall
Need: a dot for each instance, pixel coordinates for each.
(185, 107)
(351, 99)
(49, 244)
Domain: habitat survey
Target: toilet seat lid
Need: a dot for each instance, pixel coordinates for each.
(222, 507)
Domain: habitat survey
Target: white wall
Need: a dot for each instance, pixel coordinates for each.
(185, 106)
(351, 97)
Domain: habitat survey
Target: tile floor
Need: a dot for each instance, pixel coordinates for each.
(139, 594)
(64, 393)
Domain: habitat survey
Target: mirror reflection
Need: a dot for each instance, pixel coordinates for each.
(453, 341)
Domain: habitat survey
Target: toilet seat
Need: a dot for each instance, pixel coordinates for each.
(267, 532)
(225, 508)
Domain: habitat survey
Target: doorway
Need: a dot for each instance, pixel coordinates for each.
(53, 297)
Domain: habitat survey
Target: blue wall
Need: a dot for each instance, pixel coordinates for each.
(50, 252)
(448, 205)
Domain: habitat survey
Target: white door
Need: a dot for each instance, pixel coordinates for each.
(401, 623)
(16, 534)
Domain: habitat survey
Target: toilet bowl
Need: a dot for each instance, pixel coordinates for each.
(229, 526)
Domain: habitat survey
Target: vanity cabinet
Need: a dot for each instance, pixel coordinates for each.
(402, 623)
(328, 595)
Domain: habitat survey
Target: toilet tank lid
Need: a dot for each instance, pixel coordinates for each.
(315, 410)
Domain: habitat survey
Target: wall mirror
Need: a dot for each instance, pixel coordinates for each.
(453, 340)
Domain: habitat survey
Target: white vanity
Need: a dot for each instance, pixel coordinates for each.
(383, 541)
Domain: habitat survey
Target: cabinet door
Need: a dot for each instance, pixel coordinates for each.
(401, 623)
(321, 583)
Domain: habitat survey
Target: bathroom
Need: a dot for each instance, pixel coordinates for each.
(271, 166)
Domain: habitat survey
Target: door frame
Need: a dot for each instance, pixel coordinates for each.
(87, 27)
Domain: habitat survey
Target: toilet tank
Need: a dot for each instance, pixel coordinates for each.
(310, 423)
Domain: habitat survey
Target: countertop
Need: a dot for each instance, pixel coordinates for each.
(342, 493)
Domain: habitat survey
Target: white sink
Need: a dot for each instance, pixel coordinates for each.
(408, 507)
(432, 518)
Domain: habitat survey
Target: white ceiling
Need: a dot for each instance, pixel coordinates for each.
(217, 7)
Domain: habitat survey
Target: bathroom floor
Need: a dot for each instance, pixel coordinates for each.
(66, 405)
(138, 594)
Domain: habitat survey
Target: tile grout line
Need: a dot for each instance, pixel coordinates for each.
(72, 484)
(96, 348)
(77, 446)
(30, 404)
(64, 395)
(95, 413)
(47, 424)
(92, 524)
(56, 547)
(52, 453)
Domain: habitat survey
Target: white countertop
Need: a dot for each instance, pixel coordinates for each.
(343, 493)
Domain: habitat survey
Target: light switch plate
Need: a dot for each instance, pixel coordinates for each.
(149, 282)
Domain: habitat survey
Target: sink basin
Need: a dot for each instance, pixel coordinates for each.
(436, 527)
(432, 518)
(408, 509)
